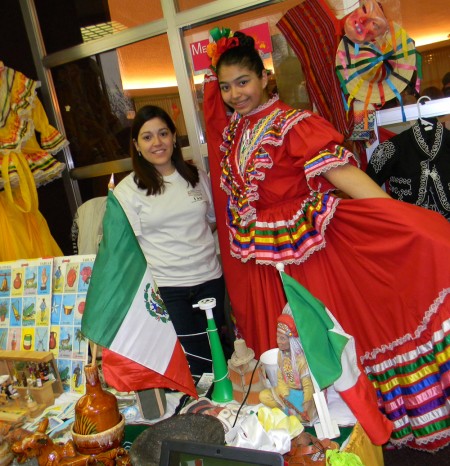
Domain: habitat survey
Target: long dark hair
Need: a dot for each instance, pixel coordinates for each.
(146, 175)
(244, 55)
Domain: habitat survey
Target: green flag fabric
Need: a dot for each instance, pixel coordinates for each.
(322, 341)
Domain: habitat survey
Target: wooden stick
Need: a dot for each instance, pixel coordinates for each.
(94, 353)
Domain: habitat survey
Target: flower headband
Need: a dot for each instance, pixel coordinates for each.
(223, 40)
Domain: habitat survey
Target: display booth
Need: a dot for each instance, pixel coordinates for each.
(240, 290)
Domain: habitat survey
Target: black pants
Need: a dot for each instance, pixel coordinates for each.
(188, 320)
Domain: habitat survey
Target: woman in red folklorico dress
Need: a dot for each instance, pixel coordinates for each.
(381, 266)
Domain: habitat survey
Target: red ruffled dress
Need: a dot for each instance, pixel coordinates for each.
(382, 267)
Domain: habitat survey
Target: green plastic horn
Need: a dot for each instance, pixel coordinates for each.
(223, 389)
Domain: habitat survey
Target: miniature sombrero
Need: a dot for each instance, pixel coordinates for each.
(375, 72)
(242, 354)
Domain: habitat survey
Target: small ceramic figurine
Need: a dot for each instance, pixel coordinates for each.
(7, 388)
(244, 374)
(294, 391)
(40, 446)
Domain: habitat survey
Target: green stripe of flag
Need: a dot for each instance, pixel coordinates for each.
(323, 347)
(111, 291)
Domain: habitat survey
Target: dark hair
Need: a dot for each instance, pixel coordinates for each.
(244, 55)
(146, 175)
(446, 79)
(446, 84)
(432, 92)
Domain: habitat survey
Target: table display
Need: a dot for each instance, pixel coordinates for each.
(34, 373)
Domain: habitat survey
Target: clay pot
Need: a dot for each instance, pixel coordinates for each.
(52, 340)
(96, 411)
(18, 280)
(100, 442)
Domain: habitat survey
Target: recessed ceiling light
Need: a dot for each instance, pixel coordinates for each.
(100, 30)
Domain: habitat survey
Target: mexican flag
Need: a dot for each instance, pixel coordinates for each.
(124, 313)
(332, 359)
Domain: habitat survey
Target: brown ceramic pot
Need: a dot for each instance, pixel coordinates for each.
(101, 442)
(97, 410)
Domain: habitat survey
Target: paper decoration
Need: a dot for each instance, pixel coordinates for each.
(25, 303)
(41, 305)
(71, 276)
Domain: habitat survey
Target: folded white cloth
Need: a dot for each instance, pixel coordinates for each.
(249, 433)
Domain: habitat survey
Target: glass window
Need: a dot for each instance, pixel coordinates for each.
(135, 12)
(94, 108)
(147, 65)
(115, 83)
(99, 95)
(183, 5)
(66, 23)
(435, 64)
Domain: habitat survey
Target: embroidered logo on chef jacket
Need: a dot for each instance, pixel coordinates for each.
(196, 195)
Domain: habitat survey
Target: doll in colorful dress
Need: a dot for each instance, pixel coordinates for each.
(382, 267)
(294, 390)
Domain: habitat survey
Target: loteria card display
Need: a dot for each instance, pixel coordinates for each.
(25, 304)
(71, 277)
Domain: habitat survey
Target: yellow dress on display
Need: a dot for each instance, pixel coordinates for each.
(27, 142)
